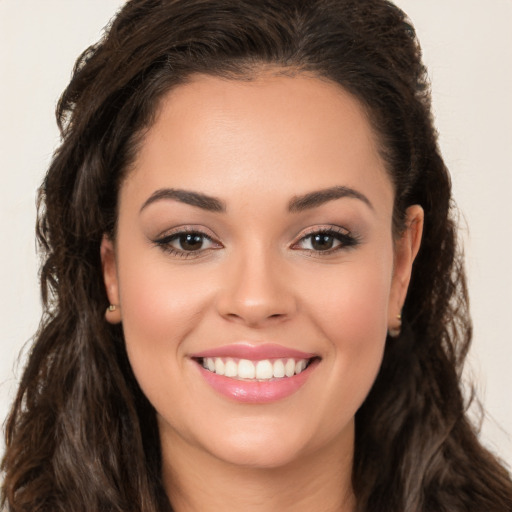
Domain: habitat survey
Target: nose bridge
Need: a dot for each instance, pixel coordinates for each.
(255, 290)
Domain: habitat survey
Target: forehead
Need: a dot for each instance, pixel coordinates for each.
(283, 133)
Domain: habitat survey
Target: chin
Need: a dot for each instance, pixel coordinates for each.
(267, 445)
(271, 455)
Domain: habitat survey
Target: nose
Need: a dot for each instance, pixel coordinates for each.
(256, 291)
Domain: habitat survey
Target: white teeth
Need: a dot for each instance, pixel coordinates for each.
(279, 369)
(300, 365)
(219, 366)
(289, 368)
(231, 369)
(246, 369)
(265, 369)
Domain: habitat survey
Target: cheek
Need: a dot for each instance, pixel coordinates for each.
(352, 306)
(158, 298)
(351, 314)
(160, 307)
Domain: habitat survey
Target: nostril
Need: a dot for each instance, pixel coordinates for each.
(254, 304)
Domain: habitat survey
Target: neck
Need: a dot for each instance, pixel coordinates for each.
(196, 481)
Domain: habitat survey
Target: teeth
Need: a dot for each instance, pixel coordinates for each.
(231, 369)
(300, 365)
(289, 368)
(278, 369)
(246, 369)
(219, 366)
(265, 369)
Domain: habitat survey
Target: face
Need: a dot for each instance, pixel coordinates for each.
(255, 269)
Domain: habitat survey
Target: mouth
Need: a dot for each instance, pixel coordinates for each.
(255, 374)
(262, 370)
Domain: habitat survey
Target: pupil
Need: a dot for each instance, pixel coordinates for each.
(191, 242)
(322, 242)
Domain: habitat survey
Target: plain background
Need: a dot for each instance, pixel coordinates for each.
(467, 47)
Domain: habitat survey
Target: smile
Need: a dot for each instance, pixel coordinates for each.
(255, 374)
(262, 370)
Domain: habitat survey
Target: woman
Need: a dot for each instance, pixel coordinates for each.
(253, 295)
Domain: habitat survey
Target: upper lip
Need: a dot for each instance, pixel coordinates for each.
(253, 352)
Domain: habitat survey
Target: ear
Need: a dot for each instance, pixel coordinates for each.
(406, 249)
(108, 263)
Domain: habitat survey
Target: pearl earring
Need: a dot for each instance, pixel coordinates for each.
(394, 332)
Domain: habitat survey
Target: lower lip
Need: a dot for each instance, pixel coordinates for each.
(257, 392)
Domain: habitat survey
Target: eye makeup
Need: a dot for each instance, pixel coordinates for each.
(193, 242)
(187, 242)
(325, 240)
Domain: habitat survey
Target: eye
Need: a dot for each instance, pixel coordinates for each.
(187, 243)
(320, 242)
(326, 241)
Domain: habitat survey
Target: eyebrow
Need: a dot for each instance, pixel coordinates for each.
(297, 204)
(211, 204)
(319, 197)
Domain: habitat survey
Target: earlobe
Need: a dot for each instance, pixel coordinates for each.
(108, 263)
(406, 250)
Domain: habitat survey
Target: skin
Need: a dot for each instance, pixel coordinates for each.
(257, 145)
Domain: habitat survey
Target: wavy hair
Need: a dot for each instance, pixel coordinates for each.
(81, 436)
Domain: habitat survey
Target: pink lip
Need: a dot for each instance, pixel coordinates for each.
(253, 352)
(257, 392)
(253, 391)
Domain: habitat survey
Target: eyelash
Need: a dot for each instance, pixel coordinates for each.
(345, 239)
(165, 242)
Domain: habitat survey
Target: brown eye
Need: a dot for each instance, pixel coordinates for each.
(187, 243)
(191, 241)
(322, 242)
(328, 241)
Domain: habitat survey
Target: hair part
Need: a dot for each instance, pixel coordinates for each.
(81, 435)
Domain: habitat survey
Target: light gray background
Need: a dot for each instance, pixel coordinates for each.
(468, 49)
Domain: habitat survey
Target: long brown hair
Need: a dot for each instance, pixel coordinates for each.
(81, 436)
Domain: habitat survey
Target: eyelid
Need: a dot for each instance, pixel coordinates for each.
(164, 239)
(343, 235)
(184, 229)
(323, 228)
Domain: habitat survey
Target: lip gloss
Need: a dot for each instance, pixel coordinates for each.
(252, 390)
